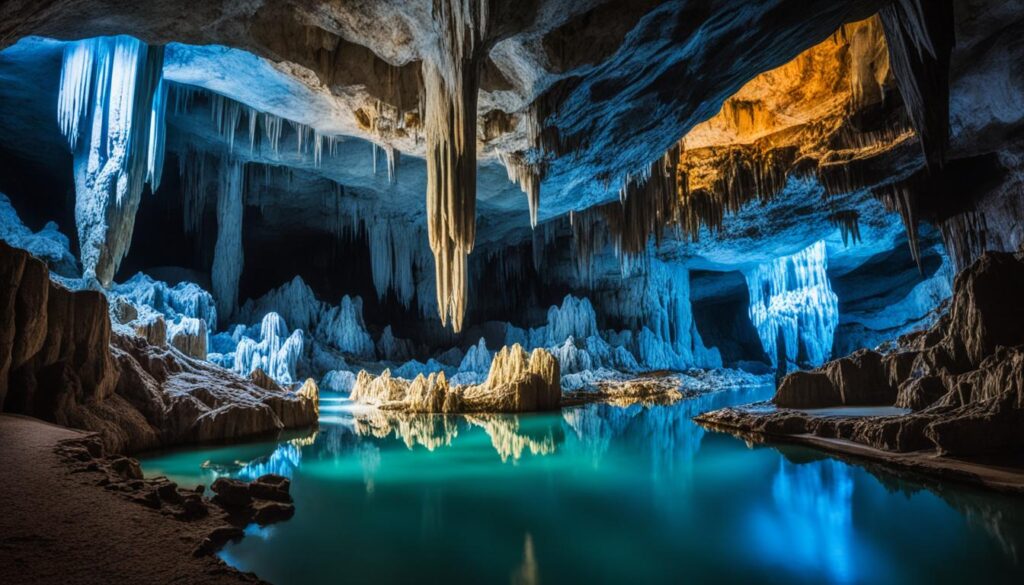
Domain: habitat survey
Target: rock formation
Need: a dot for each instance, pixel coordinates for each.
(963, 379)
(60, 361)
(516, 382)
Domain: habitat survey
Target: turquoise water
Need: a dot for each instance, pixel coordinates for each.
(596, 494)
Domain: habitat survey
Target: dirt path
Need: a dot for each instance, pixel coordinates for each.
(60, 527)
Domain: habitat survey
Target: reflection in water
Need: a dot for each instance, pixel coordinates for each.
(390, 497)
(810, 526)
(284, 460)
(527, 573)
(666, 434)
(433, 431)
(507, 439)
(427, 430)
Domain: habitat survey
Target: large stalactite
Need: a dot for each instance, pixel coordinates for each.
(451, 80)
(111, 109)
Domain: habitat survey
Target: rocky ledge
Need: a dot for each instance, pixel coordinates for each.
(961, 384)
(61, 362)
(236, 504)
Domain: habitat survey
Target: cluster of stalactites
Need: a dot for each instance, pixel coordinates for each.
(847, 221)
(792, 303)
(110, 107)
(528, 176)
(450, 88)
(393, 156)
(393, 257)
(263, 129)
(901, 197)
(662, 196)
(920, 36)
(115, 86)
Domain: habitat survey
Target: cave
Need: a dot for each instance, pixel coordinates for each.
(410, 290)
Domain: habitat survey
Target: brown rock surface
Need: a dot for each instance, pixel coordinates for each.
(964, 379)
(60, 525)
(60, 361)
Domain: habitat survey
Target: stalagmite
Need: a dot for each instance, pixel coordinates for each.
(451, 83)
(109, 100)
(791, 300)
(227, 255)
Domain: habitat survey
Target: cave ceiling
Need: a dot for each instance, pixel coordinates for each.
(592, 92)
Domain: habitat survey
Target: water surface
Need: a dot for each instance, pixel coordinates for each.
(597, 494)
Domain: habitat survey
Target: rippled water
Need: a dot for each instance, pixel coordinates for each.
(596, 494)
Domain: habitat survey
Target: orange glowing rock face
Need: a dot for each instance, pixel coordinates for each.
(833, 105)
(822, 115)
(844, 73)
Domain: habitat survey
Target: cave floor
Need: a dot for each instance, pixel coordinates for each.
(59, 527)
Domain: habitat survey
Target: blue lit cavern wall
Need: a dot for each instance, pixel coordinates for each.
(665, 223)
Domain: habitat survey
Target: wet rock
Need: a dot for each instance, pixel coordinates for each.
(193, 506)
(150, 499)
(168, 492)
(261, 379)
(127, 467)
(856, 380)
(271, 487)
(918, 393)
(231, 493)
(271, 512)
(217, 538)
(806, 390)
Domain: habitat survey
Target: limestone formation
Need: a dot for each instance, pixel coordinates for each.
(516, 382)
(60, 361)
(963, 379)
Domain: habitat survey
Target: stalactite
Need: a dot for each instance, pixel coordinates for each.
(589, 236)
(107, 92)
(965, 237)
(192, 168)
(451, 83)
(393, 156)
(791, 300)
(528, 176)
(157, 136)
(227, 255)
(848, 223)
(272, 127)
(252, 117)
(920, 35)
(226, 113)
(901, 197)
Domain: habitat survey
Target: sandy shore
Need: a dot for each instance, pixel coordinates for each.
(57, 526)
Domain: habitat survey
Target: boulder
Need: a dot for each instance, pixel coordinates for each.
(231, 493)
(271, 487)
(856, 380)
